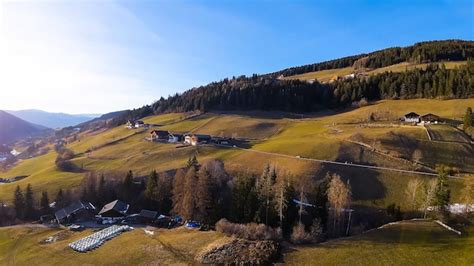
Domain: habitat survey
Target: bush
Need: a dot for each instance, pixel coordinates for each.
(300, 236)
(251, 231)
(363, 102)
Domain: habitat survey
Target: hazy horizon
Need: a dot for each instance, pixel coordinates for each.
(81, 57)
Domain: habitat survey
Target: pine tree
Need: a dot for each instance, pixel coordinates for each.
(164, 193)
(151, 186)
(127, 186)
(19, 203)
(443, 193)
(193, 162)
(60, 202)
(29, 202)
(468, 118)
(244, 198)
(102, 190)
(44, 203)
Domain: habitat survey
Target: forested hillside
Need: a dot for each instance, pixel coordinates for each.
(268, 92)
(423, 52)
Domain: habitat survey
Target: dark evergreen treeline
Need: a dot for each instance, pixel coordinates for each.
(423, 52)
(267, 93)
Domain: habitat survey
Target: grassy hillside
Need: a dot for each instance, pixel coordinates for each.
(405, 243)
(326, 135)
(21, 246)
(326, 75)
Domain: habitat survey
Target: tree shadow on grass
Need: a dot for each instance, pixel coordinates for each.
(364, 182)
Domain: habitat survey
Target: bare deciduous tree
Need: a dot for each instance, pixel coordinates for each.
(412, 192)
(339, 196)
(280, 189)
(428, 195)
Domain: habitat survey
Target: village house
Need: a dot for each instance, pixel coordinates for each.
(77, 211)
(139, 124)
(412, 118)
(174, 138)
(114, 209)
(430, 118)
(130, 124)
(159, 135)
(147, 216)
(196, 139)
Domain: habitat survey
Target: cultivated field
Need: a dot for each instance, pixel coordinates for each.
(405, 243)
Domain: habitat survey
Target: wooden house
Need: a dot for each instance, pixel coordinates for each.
(159, 135)
(139, 124)
(412, 118)
(77, 211)
(114, 209)
(174, 137)
(196, 139)
(147, 216)
(430, 118)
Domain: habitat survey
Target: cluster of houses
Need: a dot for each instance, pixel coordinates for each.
(415, 118)
(188, 139)
(114, 212)
(131, 124)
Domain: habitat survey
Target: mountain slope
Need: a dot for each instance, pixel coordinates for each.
(384, 74)
(51, 120)
(13, 128)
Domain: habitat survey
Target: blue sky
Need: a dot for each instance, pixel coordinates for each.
(82, 56)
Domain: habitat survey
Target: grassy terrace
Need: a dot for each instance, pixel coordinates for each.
(324, 135)
(406, 243)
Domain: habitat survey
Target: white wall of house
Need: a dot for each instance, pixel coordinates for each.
(412, 119)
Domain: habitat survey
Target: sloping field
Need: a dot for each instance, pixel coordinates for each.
(447, 134)
(21, 246)
(242, 126)
(323, 75)
(401, 67)
(324, 135)
(405, 243)
(326, 75)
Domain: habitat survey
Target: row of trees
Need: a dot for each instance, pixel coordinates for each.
(26, 206)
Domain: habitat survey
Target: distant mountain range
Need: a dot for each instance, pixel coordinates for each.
(52, 120)
(13, 128)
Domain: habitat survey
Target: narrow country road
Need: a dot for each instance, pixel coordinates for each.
(347, 164)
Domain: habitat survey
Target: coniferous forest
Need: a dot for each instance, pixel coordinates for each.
(269, 92)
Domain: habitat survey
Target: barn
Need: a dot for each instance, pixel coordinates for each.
(114, 209)
(77, 211)
(430, 118)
